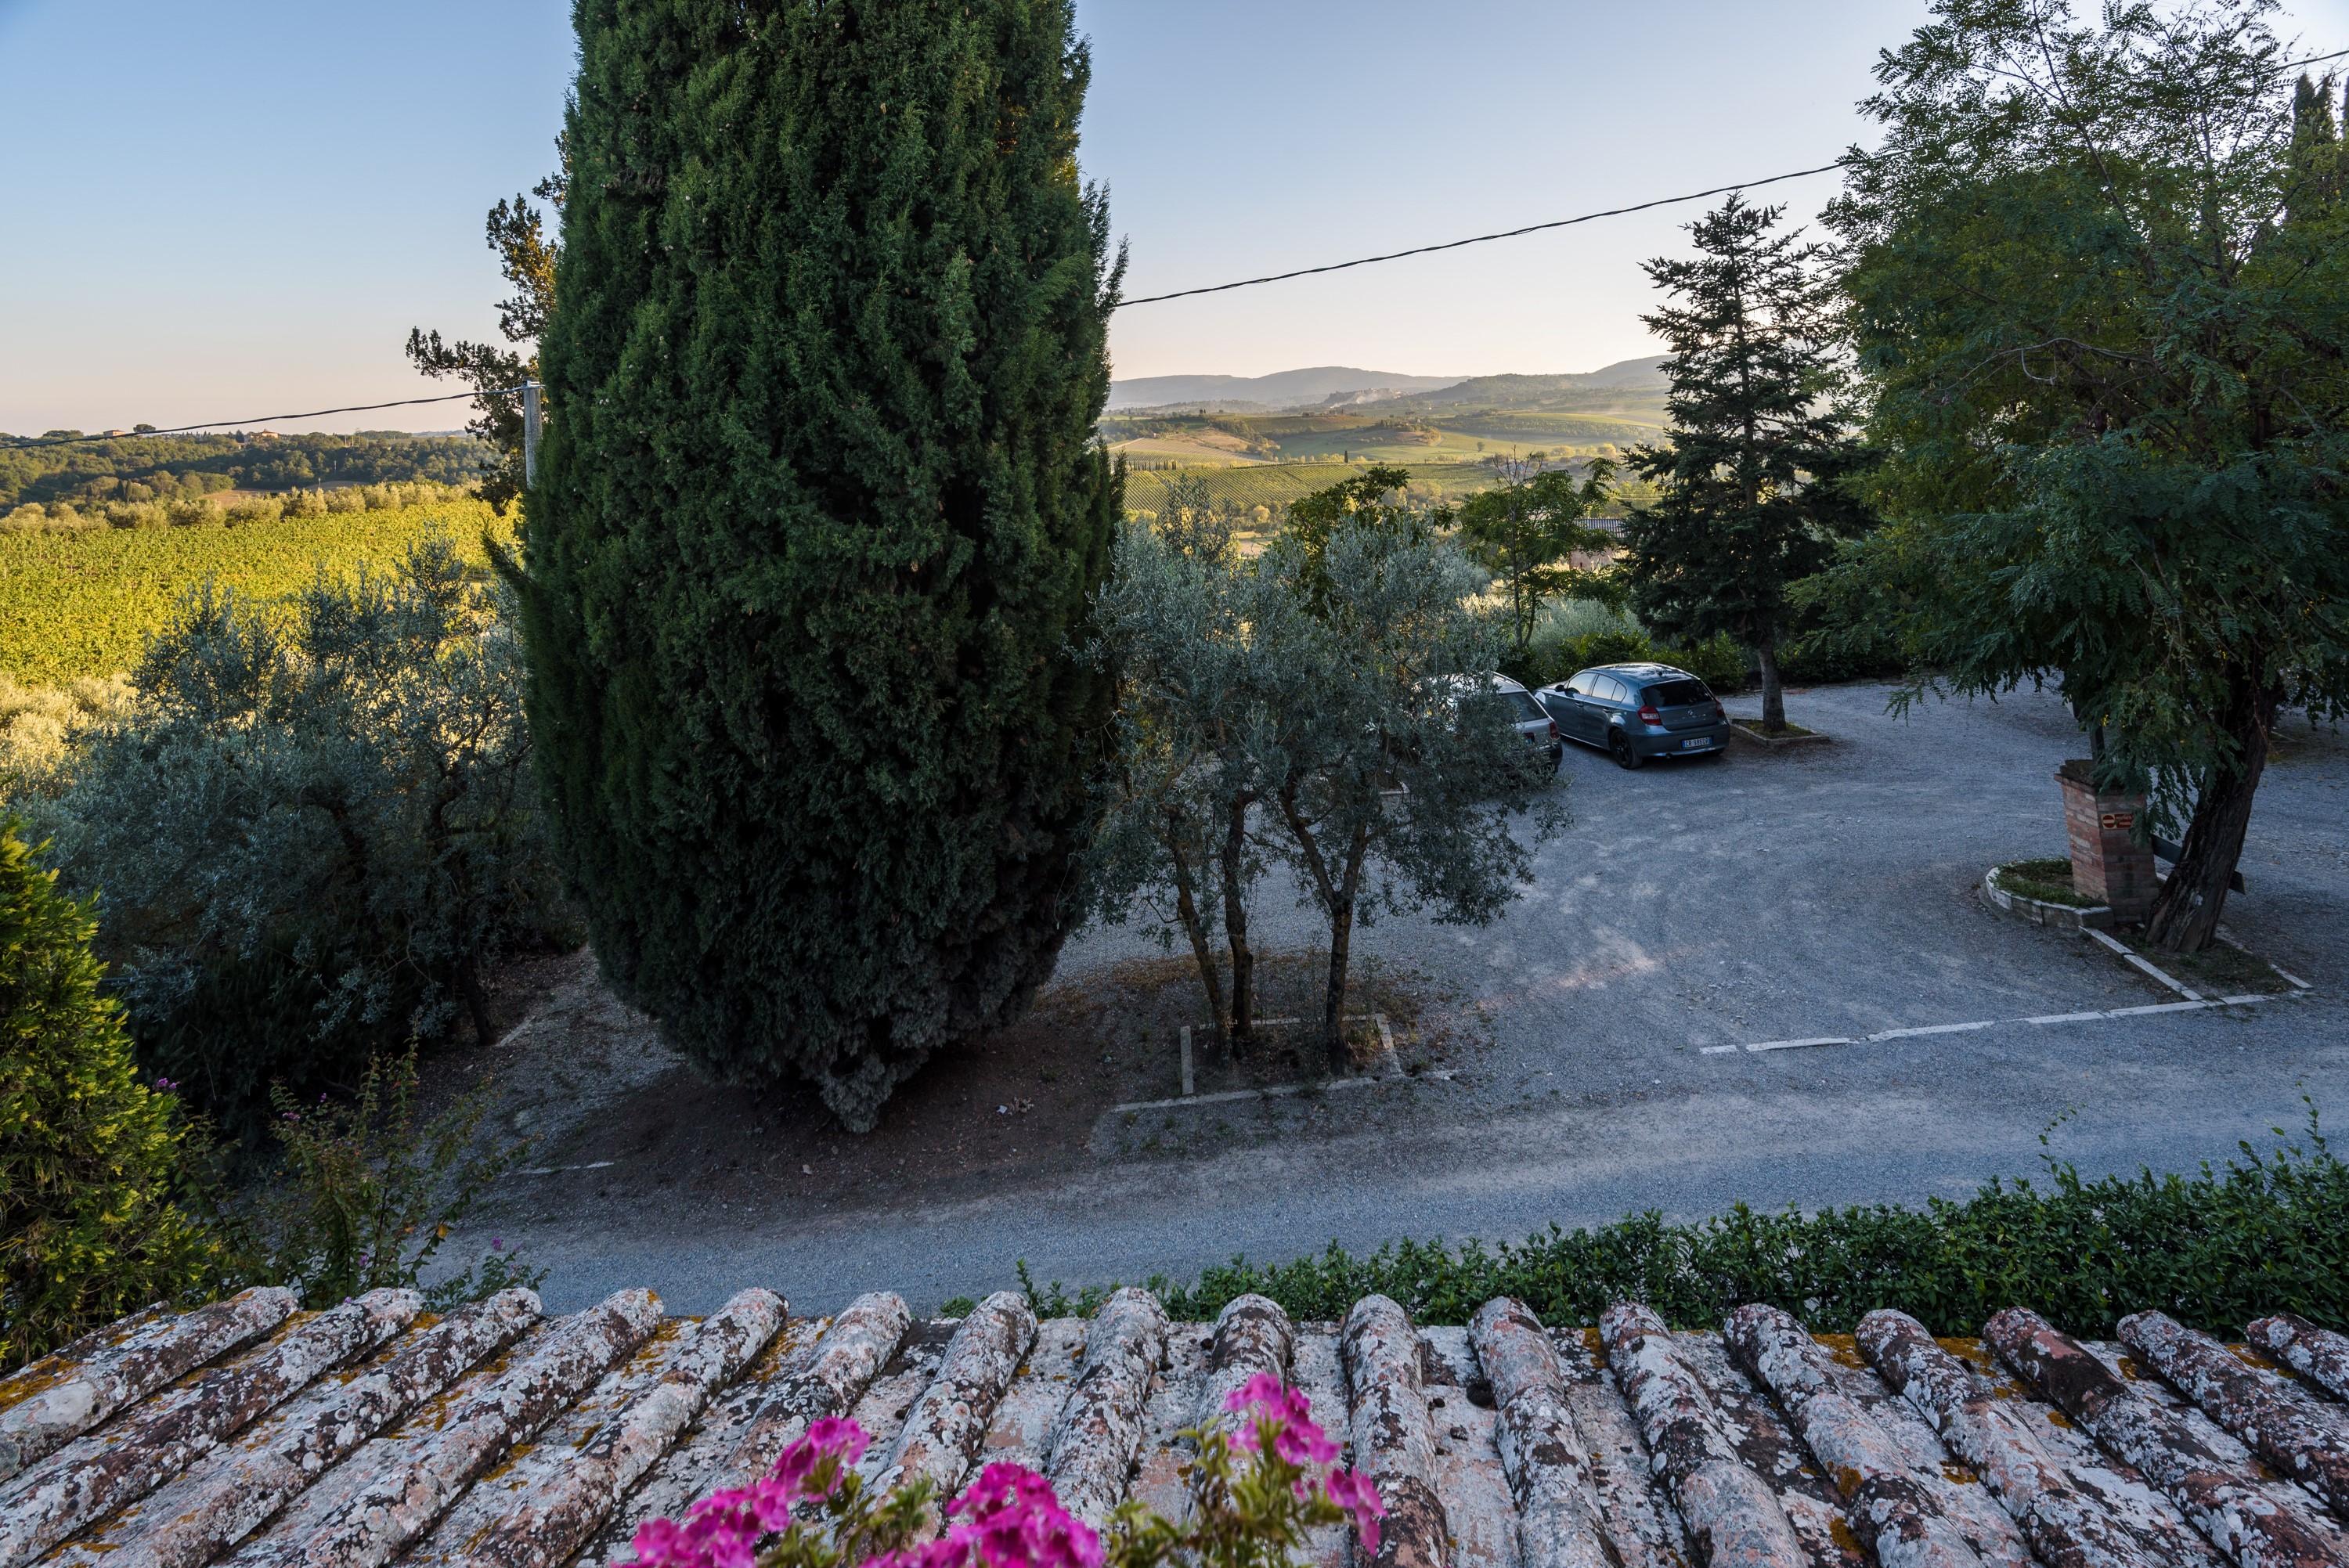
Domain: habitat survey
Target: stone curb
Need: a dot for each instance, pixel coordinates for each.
(2039, 912)
(1754, 738)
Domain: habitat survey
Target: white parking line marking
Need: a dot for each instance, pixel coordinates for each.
(551, 1169)
(2099, 1016)
(2167, 980)
(1930, 1029)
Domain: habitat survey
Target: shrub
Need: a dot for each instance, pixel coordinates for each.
(2268, 1234)
(88, 1229)
(313, 828)
(366, 1196)
(805, 603)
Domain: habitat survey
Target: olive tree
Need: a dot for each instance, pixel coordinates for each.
(312, 829)
(1175, 839)
(1393, 779)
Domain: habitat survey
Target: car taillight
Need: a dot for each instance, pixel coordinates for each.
(1649, 714)
(1719, 711)
(1553, 730)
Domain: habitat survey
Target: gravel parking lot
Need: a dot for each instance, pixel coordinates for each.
(1820, 892)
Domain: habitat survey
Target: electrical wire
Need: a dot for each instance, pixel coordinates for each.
(1145, 299)
(1569, 222)
(258, 419)
(1481, 238)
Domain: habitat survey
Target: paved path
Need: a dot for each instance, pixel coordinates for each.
(1822, 892)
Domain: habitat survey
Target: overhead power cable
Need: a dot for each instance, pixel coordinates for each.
(1483, 239)
(1145, 299)
(262, 419)
(1569, 223)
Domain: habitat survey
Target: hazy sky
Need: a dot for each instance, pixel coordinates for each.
(241, 207)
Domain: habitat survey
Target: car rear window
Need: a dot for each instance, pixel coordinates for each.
(1523, 709)
(1677, 693)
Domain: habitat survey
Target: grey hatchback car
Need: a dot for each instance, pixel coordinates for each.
(1634, 712)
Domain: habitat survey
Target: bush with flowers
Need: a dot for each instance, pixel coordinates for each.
(1260, 1483)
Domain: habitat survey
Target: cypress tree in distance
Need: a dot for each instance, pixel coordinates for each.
(820, 514)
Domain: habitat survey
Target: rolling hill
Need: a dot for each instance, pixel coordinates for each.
(1282, 389)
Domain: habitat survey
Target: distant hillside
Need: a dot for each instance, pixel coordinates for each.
(1282, 389)
(1627, 383)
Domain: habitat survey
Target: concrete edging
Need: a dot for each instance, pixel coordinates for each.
(2039, 912)
(1737, 731)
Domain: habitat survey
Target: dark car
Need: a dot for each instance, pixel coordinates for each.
(1634, 712)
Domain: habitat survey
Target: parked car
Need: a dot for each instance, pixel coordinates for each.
(1634, 712)
(1520, 707)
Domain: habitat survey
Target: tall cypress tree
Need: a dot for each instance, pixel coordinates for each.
(820, 514)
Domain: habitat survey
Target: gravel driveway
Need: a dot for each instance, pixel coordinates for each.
(1821, 891)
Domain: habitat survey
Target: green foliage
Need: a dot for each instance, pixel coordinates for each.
(366, 1196)
(1273, 486)
(85, 603)
(1393, 777)
(1526, 534)
(93, 475)
(517, 233)
(2270, 1232)
(820, 515)
(1174, 841)
(1751, 497)
(36, 725)
(311, 829)
(2100, 288)
(89, 1228)
(1559, 652)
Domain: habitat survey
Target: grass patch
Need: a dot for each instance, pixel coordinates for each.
(2048, 880)
(2268, 1232)
(2217, 970)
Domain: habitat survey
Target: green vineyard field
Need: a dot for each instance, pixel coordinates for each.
(85, 603)
(1275, 485)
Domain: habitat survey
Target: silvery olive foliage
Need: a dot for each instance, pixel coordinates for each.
(1333, 699)
(312, 828)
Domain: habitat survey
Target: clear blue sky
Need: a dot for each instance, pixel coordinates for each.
(242, 206)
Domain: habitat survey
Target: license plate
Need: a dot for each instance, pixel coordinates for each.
(1699, 744)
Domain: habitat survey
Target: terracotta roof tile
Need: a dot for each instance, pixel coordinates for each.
(372, 1434)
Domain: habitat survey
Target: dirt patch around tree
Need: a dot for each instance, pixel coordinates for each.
(620, 1124)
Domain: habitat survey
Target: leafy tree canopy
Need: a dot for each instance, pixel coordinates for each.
(2100, 292)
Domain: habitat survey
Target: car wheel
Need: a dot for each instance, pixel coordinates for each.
(1620, 749)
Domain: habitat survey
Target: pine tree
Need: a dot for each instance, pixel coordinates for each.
(820, 515)
(1747, 507)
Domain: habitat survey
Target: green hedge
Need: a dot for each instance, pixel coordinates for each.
(2267, 1233)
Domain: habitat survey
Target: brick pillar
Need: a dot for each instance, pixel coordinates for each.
(2109, 862)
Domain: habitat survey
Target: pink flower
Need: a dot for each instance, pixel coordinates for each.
(834, 1436)
(1354, 1492)
(1014, 1520)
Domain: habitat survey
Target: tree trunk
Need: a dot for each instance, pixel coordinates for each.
(1774, 696)
(1341, 950)
(2185, 913)
(476, 1003)
(1187, 906)
(1236, 929)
